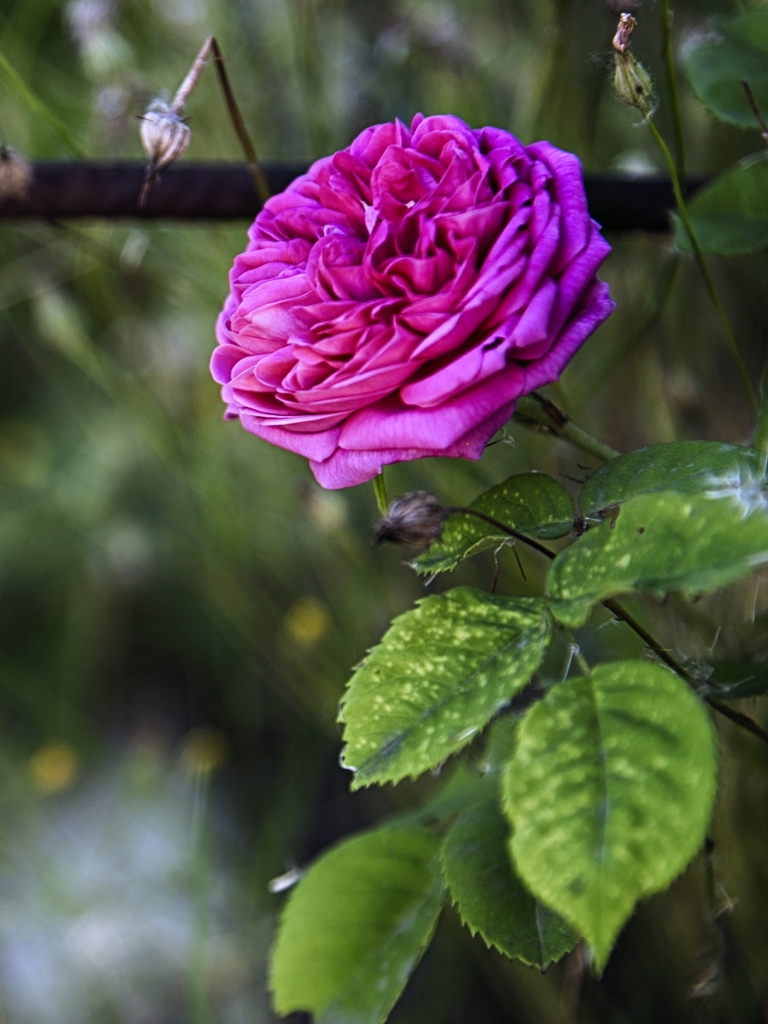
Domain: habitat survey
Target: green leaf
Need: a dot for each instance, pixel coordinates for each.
(688, 467)
(532, 503)
(661, 542)
(735, 679)
(610, 793)
(717, 66)
(730, 215)
(356, 925)
(439, 675)
(490, 897)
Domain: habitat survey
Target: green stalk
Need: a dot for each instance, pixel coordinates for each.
(37, 106)
(705, 271)
(674, 95)
(537, 408)
(380, 490)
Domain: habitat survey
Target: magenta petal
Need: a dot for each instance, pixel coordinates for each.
(394, 301)
(391, 425)
(224, 358)
(318, 446)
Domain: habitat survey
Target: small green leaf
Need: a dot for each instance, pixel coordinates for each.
(490, 897)
(439, 675)
(660, 542)
(356, 925)
(730, 215)
(718, 64)
(610, 793)
(688, 467)
(532, 503)
(735, 679)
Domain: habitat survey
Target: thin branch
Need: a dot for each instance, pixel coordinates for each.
(539, 409)
(744, 721)
(756, 110)
(509, 530)
(254, 166)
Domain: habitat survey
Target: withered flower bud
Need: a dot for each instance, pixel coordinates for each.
(632, 82)
(164, 136)
(15, 174)
(415, 519)
(623, 37)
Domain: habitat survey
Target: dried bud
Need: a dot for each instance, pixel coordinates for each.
(632, 82)
(15, 174)
(164, 136)
(415, 519)
(623, 38)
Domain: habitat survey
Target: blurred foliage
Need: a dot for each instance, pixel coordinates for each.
(180, 604)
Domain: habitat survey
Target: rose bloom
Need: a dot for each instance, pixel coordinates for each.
(395, 300)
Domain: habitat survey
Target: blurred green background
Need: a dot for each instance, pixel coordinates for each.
(180, 604)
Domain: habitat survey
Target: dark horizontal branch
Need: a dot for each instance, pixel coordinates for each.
(225, 191)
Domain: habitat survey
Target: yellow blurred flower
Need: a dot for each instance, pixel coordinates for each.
(54, 766)
(307, 621)
(204, 750)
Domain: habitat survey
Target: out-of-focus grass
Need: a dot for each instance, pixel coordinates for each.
(161, 570)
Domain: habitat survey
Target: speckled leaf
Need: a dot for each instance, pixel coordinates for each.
(532, 503)
(490, 897)
(438, 676)
(610, 793)
(356, 925)
(719, 63)
(661, 542)
(730, 214)
(689, 467)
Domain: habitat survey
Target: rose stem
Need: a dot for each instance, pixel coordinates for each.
(380, 490)
(674, 95)
(703, 267)
(540, 409)
(744, 721)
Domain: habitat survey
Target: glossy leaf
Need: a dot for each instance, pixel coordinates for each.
(439, 675)
(689, 467)
(660, 542)
(356, 925)
(491, 899)
(719, 63)
(610, 793)
(730, 215)
(532, 503)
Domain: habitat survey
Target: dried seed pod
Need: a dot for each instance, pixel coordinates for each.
(164, 136)
(415, 519)
(15, 174)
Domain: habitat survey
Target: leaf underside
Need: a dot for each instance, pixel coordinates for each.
(439, 675)
(610, 793)
(717, 66)
(730, 215)
(491, 899)
(356, 925)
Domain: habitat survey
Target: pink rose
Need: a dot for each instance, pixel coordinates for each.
(395, 300)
